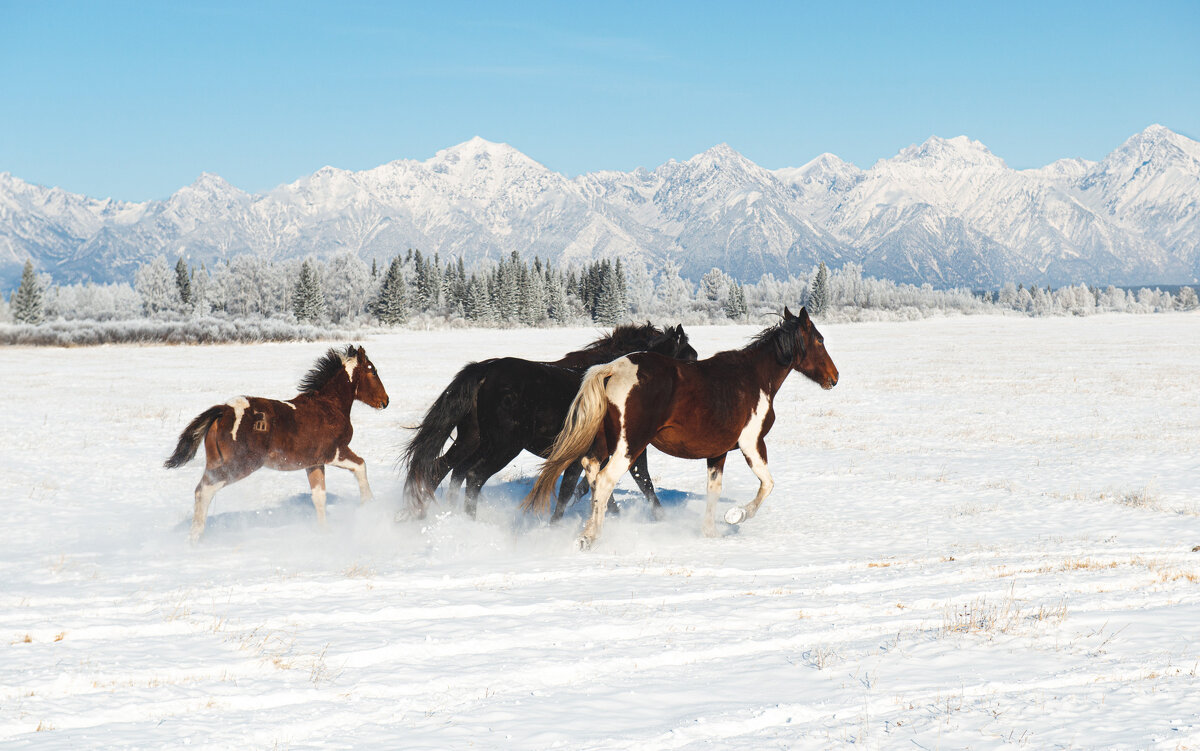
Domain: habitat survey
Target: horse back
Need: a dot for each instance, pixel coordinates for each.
(696, 409)
(526, 401)
(292, 434)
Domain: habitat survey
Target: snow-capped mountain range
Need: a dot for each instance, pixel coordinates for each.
(947, 211)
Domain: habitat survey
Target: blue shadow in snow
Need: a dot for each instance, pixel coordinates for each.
(294, 509)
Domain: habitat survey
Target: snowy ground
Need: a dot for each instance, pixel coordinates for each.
(981, 538)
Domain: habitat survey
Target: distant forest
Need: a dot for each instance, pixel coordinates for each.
(249, 299)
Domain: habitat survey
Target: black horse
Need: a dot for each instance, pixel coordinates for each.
(505, 405)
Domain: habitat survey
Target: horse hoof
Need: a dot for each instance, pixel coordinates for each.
(583, 543)
(735, 515)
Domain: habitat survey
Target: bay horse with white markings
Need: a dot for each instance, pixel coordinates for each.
(693, 410)
(306, 432)
(503, 406)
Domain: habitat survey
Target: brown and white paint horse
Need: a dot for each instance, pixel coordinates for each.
(306, 432)
(693, 410)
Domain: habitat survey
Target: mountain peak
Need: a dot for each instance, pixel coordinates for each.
(721, 153)
(1159, 144)
(829, 163)
(211, 182)
(474, 148)
(938, 151)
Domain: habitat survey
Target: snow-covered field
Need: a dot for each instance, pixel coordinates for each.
(981, 538)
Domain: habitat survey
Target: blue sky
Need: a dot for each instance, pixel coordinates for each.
(134, 100)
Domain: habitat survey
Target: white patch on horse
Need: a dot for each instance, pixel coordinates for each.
(620, 383)
(293, 406)
(748, 443)
(240, 405)
(748, 440)
(750, 434)
(350, 363)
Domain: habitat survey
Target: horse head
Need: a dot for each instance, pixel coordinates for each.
(673, 342)
(683, 348)
(368, 389)
(804, 349)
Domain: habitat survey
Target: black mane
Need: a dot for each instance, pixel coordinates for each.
(325, 369)
(781, 338)
(627, 337)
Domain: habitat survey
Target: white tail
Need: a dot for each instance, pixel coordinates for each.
(584, 419)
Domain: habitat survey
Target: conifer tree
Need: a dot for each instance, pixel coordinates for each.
(556, 296)
(715, 283)
(156, 285)
(199, 291)
(735, 302)
(454, 287)
(620, 289)
(391, 306)
(533, 295)
(477, 303)
(506, 297)
(818, 296)
(610, 305)
(27, 300)
(308, 301)
(183, 282)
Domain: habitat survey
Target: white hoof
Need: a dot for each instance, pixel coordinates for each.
(735, 515)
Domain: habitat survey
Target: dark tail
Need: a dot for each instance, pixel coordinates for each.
(192, 436)
(579, 431)
(423, 453)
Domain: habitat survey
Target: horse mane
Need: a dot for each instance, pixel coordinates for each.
(781, 338)
(627, 336)
(330, 364)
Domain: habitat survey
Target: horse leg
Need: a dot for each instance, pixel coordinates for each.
(608, 469)
(606, 481)
(478, 474)
(457, 478)
(756, 457)
(716, 472)
(219, 471)
(456, 459)
(347, 459)
(641, 475)
(567, 490)
(463, 464)
(205, 490)
(316, 482)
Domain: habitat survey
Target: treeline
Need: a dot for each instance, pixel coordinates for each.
(344, 292)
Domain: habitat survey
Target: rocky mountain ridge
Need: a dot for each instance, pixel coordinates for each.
(947, 211)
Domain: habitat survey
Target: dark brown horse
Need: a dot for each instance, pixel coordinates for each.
(693, 410)
(306, 432)
(503, 406)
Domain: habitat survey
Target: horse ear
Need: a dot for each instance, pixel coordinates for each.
(679, 335)
(803, 315)
(787, 313)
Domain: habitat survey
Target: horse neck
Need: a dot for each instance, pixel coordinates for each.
(769, 374)
(339, 391)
